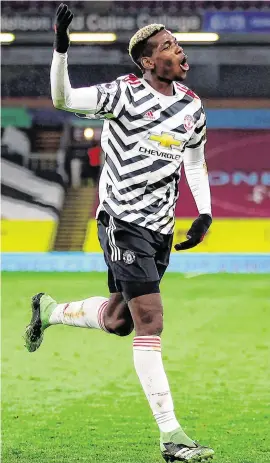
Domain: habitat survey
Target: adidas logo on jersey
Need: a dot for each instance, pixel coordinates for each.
(149, 116)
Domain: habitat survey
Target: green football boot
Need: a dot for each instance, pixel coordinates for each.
(42, 307)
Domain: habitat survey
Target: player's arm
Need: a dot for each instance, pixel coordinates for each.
(81, 100)
(197, 178)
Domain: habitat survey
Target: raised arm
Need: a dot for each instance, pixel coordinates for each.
(65, 97)
(80, 100)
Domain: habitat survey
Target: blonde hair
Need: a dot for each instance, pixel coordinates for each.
(140, 36)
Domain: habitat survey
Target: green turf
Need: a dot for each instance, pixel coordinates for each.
(77, 399)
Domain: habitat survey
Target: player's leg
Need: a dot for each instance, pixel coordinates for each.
(131, 254)
(111, 315)
(108, 314)
(147, 313)
(117, 318)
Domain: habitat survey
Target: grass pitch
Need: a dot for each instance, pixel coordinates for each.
(78, 399)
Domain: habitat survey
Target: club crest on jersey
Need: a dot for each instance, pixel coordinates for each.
(110, 87)
(188, 122)
(129, 257)
(149, 115)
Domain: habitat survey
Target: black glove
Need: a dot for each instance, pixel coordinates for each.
(196, 232)
(62, 21)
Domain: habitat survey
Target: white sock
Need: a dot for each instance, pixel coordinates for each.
(88, 313)
(149, 368)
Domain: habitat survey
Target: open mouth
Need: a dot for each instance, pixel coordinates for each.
(184, 64)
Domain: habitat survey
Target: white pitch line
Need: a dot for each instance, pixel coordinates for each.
(194, 274)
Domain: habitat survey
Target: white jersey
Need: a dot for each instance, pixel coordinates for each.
(146, 137)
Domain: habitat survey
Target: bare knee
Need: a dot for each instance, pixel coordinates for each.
(149, 323)
(147, 313)
(118, 319)
(122, 327)
(119, 325)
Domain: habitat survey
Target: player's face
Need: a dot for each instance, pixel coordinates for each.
(170, 61)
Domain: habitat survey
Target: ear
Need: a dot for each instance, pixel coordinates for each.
(147, 63)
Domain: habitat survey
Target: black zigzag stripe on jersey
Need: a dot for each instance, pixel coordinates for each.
(104, 104)
(116, 98)
(120, 215)
(197, 115)
(175, 108)
(139, 220)
(124, 202)
(131, 188)
(180, 129)
(140, 102)
(132, 202)
(146, 191)
(162, 227)
(123, 215)
(160, 215)
(153, 167)
(136, 117)
(99, 95)
(137, 89)
(152, 219)
(199, 129)
(153, 208)
(127, 172)
(169, 204)
(123, 110)
(196, 145)
(161, 183)
(122, 145)
(125, 162)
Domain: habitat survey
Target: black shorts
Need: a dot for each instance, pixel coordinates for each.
(132, 253)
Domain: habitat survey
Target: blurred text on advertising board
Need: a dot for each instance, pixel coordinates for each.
(95, 22)
(238, 21)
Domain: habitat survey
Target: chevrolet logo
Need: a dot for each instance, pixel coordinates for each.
(166, 140)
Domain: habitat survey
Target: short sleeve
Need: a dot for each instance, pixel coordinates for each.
(198, 137)
(108, 99)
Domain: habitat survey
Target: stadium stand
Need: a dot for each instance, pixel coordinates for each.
(26, 194)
